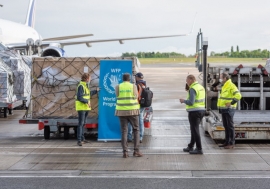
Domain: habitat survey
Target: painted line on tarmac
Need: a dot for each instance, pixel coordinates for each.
(98, 147)
(139, 176)
(170, 118)
(168, 109)
(176, 136)
(119, 152)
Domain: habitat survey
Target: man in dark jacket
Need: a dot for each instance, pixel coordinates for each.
(83, 106)
(140, 83)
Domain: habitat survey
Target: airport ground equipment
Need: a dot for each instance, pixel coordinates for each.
(6, 108)
(15, 80)
(252, 117)
(54, 84)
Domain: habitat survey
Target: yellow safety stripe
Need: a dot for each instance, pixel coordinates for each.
(126, 98)
(129, 104)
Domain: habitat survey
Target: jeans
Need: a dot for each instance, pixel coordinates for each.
(80, 129)
(227, 119)
(195, 118)
(134, 121)
(141, 125)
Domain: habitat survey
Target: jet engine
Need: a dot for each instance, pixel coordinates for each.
(53, 51)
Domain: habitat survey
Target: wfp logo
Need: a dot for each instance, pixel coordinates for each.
(111, 80)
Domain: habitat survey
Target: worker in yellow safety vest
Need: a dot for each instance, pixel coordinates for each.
(195, 106)
(127, 109)
(227, 102)
(83, 106)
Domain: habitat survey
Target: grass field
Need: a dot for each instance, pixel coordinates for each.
(209, 60)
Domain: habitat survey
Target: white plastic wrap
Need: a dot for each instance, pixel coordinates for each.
(21, 69)
(6, 83)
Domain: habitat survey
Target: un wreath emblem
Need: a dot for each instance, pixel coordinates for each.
(110, 81)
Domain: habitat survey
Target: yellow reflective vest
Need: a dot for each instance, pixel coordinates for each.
(228, 93)
(126, 99)
(199, 103)
(80, 105)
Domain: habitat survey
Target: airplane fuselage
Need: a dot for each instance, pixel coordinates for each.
(12, 32)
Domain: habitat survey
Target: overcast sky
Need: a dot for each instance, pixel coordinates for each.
(225, 23)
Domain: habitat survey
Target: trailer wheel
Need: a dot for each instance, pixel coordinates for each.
(47, 132)
(5, 112)
(66, 132)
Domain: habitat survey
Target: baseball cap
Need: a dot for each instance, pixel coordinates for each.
(139, 74)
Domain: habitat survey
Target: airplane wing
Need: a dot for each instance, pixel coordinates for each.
(67, 37)
(58, 40)
(120, 40)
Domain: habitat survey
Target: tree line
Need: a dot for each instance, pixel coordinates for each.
(243, 54)
(154, 55)
(233, 54)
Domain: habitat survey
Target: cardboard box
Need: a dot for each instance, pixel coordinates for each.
(55, 81)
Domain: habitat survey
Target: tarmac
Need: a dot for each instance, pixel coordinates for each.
(24, 151)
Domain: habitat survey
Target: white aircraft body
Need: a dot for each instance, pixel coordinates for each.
(19, 36)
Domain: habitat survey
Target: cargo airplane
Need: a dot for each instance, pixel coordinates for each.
(22, 36)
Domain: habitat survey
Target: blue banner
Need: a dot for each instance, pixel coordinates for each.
(111, 72)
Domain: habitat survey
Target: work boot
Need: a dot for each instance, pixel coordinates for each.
(187, 149)
(125, 154)
(223, 145)
(85, 141)
(79, 143)
(137, 154)
(196, 151)
(229, 146)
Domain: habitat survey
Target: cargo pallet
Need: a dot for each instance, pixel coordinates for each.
(59, 125)
(7, 107)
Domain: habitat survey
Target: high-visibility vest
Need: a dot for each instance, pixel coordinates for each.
(126, 99)
(228, 93)
(86, 95)
(199, 103)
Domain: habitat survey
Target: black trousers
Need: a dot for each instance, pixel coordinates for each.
(227, 119)
(195, 118)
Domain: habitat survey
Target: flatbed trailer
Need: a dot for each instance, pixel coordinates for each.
(48, 119)
(7, 107)
(58, 125)
(252, 115)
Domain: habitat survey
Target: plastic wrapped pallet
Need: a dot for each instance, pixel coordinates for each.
(6, 83)
(55, 83)
(21, 68)
(22, 78)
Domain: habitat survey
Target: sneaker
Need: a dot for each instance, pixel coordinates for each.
(79, 143)
(137, 154)
(196, 151)
(187, 149)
